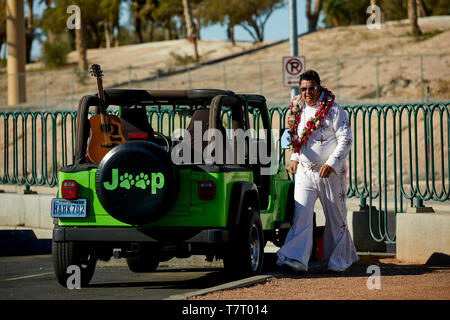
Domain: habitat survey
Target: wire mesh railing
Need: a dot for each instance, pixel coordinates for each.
(353, 79)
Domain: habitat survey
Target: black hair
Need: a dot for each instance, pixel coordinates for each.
(310, 75)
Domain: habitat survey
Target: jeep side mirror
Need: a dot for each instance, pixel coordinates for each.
(285, 139)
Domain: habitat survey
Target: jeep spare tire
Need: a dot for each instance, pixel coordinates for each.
(136, 182)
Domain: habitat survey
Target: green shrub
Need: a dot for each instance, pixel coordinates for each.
(54, 55)
(182, 60)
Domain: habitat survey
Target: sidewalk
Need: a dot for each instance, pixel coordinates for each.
(394, 281)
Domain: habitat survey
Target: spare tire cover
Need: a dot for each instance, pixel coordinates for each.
(136, 182)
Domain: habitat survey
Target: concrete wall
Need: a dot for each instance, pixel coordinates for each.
(30, 210)
(422, 235)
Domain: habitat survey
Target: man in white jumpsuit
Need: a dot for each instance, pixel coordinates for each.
(320, 172)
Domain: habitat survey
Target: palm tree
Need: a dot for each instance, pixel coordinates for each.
(29, 35)
(313, 16)
(333, 10)
(80, 42)
(421, 9)
(412, 15)
(190, 26)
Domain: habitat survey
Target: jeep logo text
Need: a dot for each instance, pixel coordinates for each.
(142, 181)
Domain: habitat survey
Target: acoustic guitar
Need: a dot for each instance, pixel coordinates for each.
(106, 131)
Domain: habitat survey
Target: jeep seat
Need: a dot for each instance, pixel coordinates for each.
(135, 124)
(198, 145)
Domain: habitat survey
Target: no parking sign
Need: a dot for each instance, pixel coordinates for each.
(292, 68)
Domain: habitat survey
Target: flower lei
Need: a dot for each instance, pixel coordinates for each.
(312, 124)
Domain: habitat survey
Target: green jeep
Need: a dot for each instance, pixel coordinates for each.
(155, 197)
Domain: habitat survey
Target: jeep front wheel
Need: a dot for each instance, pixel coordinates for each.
(245, 253)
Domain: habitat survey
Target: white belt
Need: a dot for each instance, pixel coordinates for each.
(311, 166)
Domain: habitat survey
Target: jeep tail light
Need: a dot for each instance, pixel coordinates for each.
(137, 136)
(69, 189)
(206, 190)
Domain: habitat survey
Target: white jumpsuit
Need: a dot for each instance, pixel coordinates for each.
(330, 143)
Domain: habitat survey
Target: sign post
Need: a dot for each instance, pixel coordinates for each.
(292, 68)
(293, 43)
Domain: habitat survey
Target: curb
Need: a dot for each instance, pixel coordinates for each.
(227, 286)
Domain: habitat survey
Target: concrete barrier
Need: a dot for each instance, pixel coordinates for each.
(30, 210)
(422, 236)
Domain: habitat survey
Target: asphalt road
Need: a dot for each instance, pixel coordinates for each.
(32, 278)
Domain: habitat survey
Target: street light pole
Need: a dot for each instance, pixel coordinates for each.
(293, 36)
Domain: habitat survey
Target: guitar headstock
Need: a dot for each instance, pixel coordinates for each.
(96, 71)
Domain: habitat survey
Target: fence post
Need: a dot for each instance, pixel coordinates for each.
(129, 77)
(72, 88)
(157, 78)
(19, 88)
(421, 78)
(260, 79)
(44, 88)
(188, 72)
(378, 80)
(337, 79)
(224, 77)
(28, 190)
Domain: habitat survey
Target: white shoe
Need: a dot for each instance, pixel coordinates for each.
(294, 265)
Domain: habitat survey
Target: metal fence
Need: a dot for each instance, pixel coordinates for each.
(380, 79)
(399, 158)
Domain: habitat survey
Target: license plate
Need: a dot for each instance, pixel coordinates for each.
(62, 208)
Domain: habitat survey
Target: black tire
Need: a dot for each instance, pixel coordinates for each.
(142, 263)
(131, 162)
(68, 253)
(244, 256)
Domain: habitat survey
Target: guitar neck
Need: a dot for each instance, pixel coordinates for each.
(101, 97)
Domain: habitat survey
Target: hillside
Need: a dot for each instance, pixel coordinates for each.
(353, 76)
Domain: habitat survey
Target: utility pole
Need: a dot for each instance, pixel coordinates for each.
(15, 37)
(293, 36)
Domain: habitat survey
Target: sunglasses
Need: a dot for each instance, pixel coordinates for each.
(311, 88)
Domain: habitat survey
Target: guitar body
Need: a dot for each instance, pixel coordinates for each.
(106, 133)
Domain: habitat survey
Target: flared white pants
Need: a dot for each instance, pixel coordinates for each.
(338, 248)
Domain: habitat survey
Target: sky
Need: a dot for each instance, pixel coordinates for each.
(277, 26)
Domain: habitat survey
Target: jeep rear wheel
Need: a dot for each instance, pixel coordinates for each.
(245, 253)
(68, 253)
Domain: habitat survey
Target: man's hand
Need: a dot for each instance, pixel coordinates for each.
(292, 168)
(325, 171)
